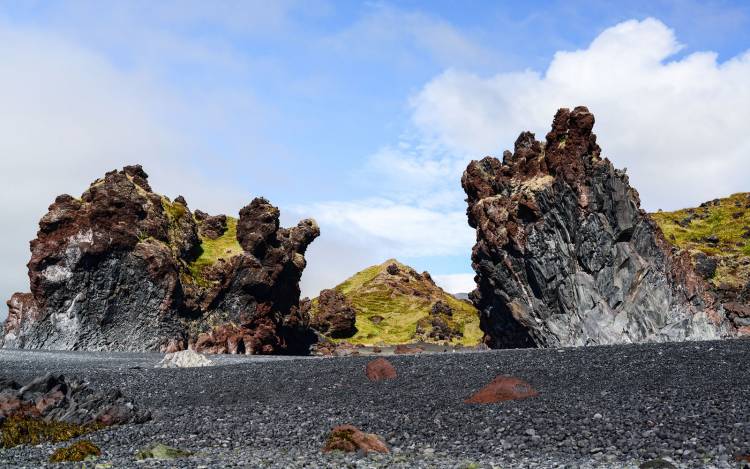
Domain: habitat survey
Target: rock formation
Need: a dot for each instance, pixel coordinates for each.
(124, 268)
(565, 256)
(391, 304)
(335, 316)
(717, 237)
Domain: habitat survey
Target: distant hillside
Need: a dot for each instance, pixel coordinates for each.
(718, 235)
(395, 304)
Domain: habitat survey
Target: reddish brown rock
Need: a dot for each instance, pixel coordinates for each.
(380, 369)
(503, 388)
(350, 439)
(334, 315)
(402, 349)
(113, 271)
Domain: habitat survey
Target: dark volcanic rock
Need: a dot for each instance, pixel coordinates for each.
(212, 227)
(112, 271)
(565, 256)
(335, 315)
(56, 398)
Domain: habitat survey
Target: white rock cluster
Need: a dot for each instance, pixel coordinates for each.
(184, 359)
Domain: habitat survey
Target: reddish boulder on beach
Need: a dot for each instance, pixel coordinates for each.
(350, 439)
(503, 388)
(380, 369)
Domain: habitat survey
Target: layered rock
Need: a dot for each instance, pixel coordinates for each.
(124, 268)
(565, 256)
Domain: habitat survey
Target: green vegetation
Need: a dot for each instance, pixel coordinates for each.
(26, 431)
(389, 307)
(78, 451)
(223, 247)
(720, 229)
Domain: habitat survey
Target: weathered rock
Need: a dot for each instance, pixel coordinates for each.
(565, 256)
(402, 349)
(335, 316)
(184, 359)
(350, 439)
(162, 452)
(117, 270)
(380, 369)
(212, 227)
(56, 398)
(503, 388)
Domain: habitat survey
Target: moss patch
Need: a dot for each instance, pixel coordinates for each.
(719, 229)
(223, 247)
(79, 451)
(25, 431)
(386, 315)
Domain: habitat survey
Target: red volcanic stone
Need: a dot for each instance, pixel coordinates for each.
(503, 388)
(380, 369)
(350, 439)
(407, 350)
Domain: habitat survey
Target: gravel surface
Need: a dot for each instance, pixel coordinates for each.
(614, 406)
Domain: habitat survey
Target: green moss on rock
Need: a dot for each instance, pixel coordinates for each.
(721, 229)
(390, 307)
(78, 451)
(27, 431)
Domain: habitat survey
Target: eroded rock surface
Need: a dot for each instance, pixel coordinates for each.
(335, 316)
(565, 256)
(124, 268)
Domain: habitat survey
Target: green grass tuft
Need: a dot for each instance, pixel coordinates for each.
(27, 431)
(78, 451)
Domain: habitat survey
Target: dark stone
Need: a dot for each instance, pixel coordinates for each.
(705, 265)
(393, 269)
(335, 315)
(110, 271)
(565, 255)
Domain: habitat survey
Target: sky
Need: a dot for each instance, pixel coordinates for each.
(362, 115)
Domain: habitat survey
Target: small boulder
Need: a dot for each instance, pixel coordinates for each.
(393, 269)
(350, 439)
(380, 369)
(184, 359)
(503, 388)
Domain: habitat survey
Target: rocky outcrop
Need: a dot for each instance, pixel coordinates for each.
(124, 268)
(335, 316)
(565, 256)
(391, 304)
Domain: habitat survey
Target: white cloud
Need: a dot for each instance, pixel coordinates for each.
(679, 126)
(455, 283)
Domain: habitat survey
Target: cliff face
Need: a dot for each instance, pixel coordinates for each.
(565, 256)
(124, 268)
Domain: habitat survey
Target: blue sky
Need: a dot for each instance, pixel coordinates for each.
(362, 115)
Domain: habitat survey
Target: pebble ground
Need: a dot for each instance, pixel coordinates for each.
(599, 407)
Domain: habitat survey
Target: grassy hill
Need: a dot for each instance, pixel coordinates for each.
(396, 307)
(719, 229)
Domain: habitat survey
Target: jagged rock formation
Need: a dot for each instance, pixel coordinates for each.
(717, 237)
(565, 256)
(390, 304)
(124, 268)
